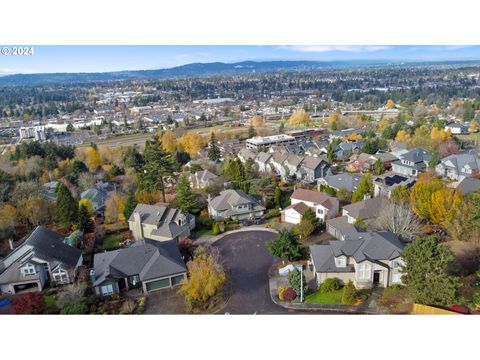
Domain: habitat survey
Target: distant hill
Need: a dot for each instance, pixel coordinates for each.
(189, 70)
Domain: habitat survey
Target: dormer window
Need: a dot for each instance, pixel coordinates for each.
(341, 261)
(179, 222)
(28, 269)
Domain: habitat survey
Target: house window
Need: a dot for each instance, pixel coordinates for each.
(364, 271)
(341, 261)
(60, 276)
(397, 264)
(107, 290)
(396, 278)
(320, 211)
(28, 269)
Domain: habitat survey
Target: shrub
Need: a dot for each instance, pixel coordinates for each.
(295, 281)
(30, 303)
(349, 293)
(50, 304)
(281, 291)
(74, 309)
(271, 213)
(215, 228)
(128, 307)
(289, 294)
(330, 285)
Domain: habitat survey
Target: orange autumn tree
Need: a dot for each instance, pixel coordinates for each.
(432, 200)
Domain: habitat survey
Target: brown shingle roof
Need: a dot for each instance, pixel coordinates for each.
(314, 196)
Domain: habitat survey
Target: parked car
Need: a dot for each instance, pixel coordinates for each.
(461, 309)
(245, 222)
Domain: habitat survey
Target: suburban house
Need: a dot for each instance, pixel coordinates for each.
(384, 184)
(345, 181)
(234, 204)
(369, 261)
(159, 223)
(313, 168)
(457, 129)
(262, 161)
(344, 150)
(277, 163)
(412, 163)
(98, 196)
(202, 179)
(245, 154)
(324, 206)
(292, 163)
(458, 167)
(466, 186)
(41, 259)
(365, 209)
(366, 162)
(150, 265)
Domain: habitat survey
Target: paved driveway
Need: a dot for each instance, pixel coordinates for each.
(246, 256)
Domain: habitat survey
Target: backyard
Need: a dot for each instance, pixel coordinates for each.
(112, 241)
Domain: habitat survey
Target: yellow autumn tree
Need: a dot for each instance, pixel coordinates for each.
(440, 135)
(192, 143)
(421, 194)
(390, 104)
(300, 117)
(87, 203)
(92, 158)
(8, 218)
(169, 141)
(114, 207)
(432, 200)
(206, 278)
(473, 126)
(256, 121)
(443, 205)
(353, 137)
(403, 136)
(382, 125)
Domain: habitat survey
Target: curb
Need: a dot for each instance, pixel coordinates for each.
(214, 239)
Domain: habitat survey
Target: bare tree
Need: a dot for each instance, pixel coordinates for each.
(399, 219)
(86, 181)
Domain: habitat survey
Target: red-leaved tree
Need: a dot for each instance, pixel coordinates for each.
(289, 294)
(30, 303)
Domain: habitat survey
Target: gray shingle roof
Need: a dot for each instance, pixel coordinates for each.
(231, 197)
(148, 259)
(367, 209)
(346, 181)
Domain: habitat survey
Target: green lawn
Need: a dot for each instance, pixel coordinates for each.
(203, 232)
(334, 297)
(112, 241)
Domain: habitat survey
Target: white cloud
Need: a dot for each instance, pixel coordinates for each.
(344, 48)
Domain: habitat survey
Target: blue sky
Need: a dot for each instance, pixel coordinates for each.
(113, 58)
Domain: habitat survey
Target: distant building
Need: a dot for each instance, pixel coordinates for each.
(35, 132)
(259, 142)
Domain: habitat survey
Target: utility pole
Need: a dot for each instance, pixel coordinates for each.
(301, 284)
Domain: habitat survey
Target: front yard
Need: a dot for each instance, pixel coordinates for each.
(319, 297)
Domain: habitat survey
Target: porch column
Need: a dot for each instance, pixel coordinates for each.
(126, 283)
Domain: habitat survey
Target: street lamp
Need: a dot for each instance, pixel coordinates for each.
(301, 283)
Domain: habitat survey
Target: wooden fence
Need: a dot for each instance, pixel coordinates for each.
(419, 309)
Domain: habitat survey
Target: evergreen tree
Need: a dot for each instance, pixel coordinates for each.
(84, 221)
(425, 272)
(130, 205)
(349, 293)
(330, 153)
(213, 150)
(278, 197)
(364, 188)
(158, 164)
(66, 205)
(249, 170)
(186, 199)
(286, 246)
(281, 129)
(251, 132)
(378, 167)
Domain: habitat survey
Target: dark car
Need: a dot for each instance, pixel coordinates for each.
(258, 221)
(245, 222)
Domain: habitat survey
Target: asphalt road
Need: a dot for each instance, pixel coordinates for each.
(246, 256)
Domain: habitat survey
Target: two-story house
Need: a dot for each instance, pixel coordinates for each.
(202, 179)
(234, 204)
(373, 259)
(313, 168)
(384, 184)
(324, 206)
(412, 163)
(262, 161)
(365, 210)
(160, 223)
(42, 258)
(458, 166)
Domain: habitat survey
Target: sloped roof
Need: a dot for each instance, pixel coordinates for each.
(314, 196)
(346, 181)
(263, 157)
(298, 207)
(229, 198)
(368, 208)
(148, 259)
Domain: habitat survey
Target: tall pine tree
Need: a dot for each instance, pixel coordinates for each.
(213, 150)
(66, 205)
(130, 205)
(84, 222)
(186, 199)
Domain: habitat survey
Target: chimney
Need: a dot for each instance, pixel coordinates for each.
(10, 244)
